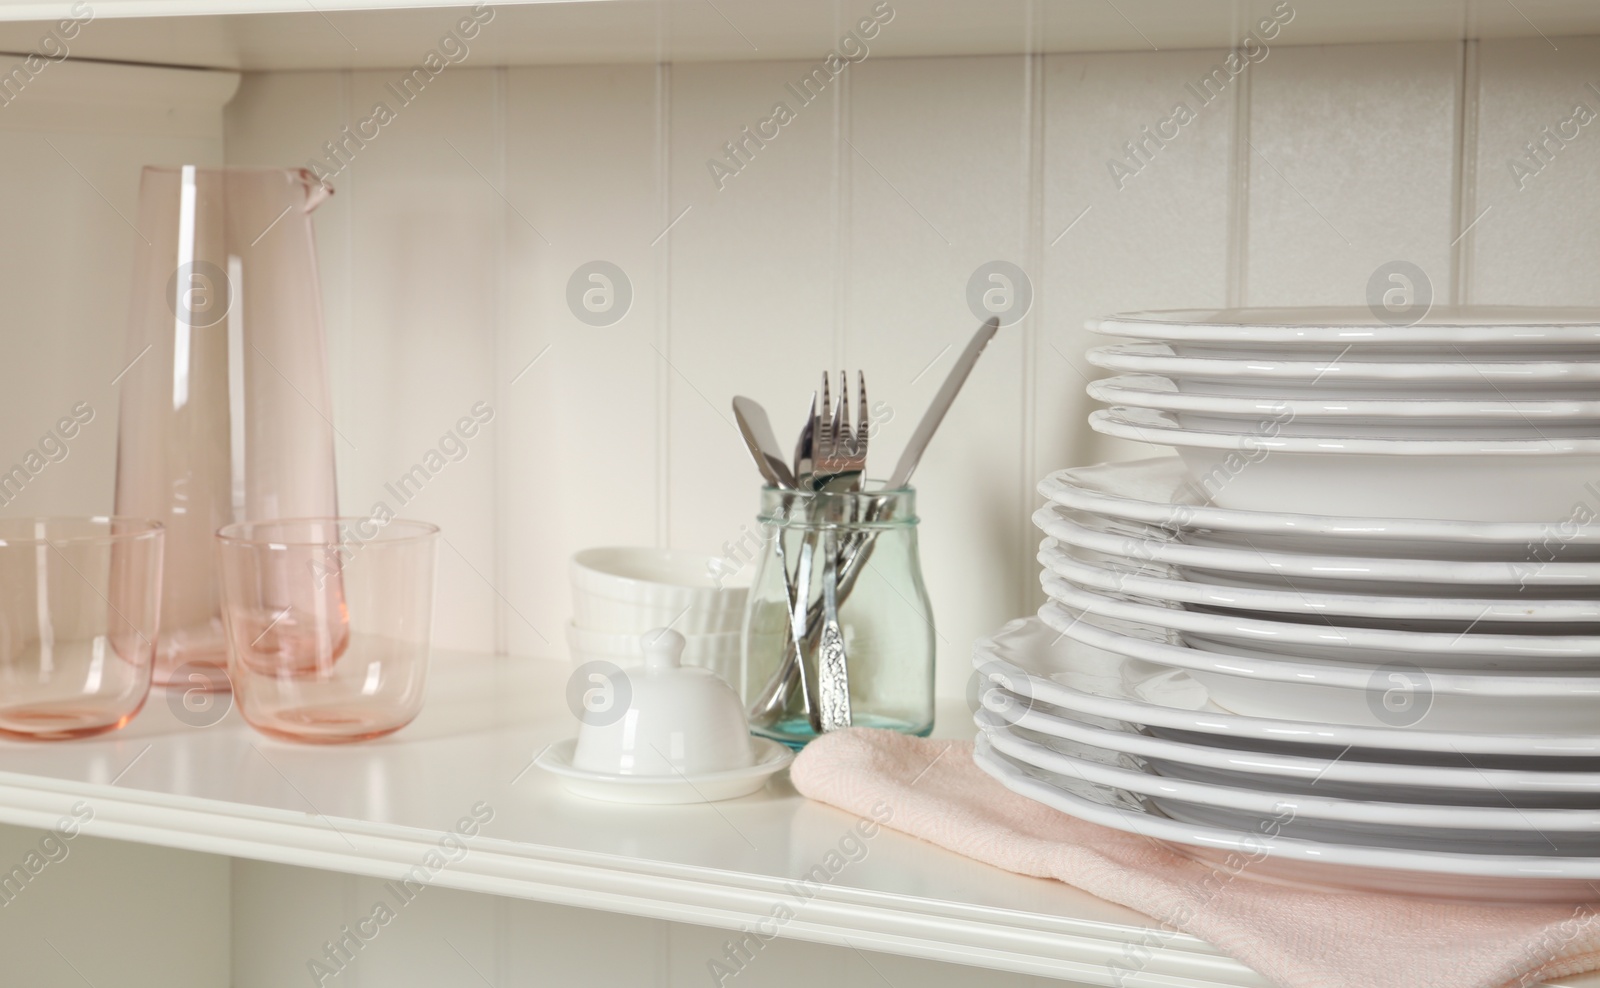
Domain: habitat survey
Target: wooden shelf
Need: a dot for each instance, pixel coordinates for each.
(295, 34)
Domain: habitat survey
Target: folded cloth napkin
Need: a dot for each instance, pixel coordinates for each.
(1297, 938)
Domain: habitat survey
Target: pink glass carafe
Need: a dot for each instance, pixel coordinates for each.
(225, 409)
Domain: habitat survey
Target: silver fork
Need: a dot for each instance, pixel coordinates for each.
(841, 462)
(841, 453)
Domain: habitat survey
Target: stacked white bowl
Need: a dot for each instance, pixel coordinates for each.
(619, 593)
(1352, 630)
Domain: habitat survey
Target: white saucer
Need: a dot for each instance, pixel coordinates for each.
(1158, 492)
(1341, 774)
(1529, 327)
(1311, 569)
(1423, 826)
(1355, 693)
(1096, 683)
(1440, 650)
(771, 757)
(1262, 468)
(1131, 574)
(1430, 874)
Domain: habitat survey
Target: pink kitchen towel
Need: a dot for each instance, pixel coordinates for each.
(1297, 938)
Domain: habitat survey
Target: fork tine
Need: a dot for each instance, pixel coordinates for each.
(846, 439)
(861, 422)
(825, 411)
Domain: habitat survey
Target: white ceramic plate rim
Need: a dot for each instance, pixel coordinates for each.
(1215, 721)
(1397, 775)
(1071, 489)
(1303, 672)
(1158, 359)
(770, 756)
(1151, 391)
(1328, 808)
(1162, 828)
(1424, 643)
(1149, 426)
(1309, 564)
(1099, 577)
(1478, 324)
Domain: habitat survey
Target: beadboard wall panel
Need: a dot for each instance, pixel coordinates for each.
(936, 159)
(107, 912)
(581, 442)
(72, 144)
(1537, 239)
(753, 270)
(847, 242)
(1328, 208)
(1121, 230)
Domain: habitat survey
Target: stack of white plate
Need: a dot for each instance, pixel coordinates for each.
(1350, 635)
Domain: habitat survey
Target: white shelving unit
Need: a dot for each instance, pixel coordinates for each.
(1374, 130)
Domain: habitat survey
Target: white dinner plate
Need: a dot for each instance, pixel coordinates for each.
(1092, 682)
(1332, 374)
(1524, 327)
(1365, 694)
(1265, 854)
(1305, 570)
(1135, 573)
(1262, 469)
(1263, 637)
(1319, 816)
(770, 758)
(1158, 492)
(1397, 418)
(1340, 774)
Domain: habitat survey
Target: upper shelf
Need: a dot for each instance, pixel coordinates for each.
(301, 34)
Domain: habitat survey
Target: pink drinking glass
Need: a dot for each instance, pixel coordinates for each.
(307, 665)
(80, 603)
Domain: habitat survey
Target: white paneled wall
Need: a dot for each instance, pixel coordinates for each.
(107, 912)
(847, 243)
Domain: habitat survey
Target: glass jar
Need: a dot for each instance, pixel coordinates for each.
(864, 546)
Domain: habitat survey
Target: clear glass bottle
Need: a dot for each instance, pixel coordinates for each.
(865, 544)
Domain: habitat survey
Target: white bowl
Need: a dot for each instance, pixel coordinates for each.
(1464, 479)
(632, 590)
(718, 651)
(665, 719)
